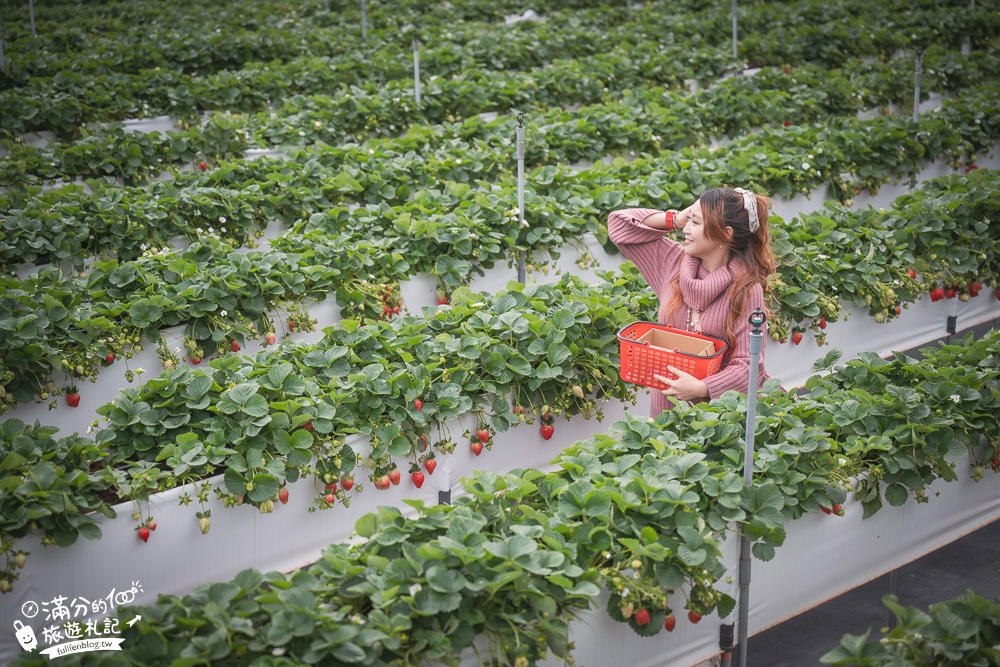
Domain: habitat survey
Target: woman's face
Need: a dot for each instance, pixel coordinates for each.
(695, 243)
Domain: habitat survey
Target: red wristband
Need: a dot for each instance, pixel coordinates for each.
(670, 215)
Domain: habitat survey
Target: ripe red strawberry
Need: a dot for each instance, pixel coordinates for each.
(330, 498)
(822, 323)
(787, 122)
(384, 482)
(283, 495)
(151, 524)
(518, 409)
(110, 359)
(838, 509)
(912, 273)
(418, 478)
(476, 447)
(332, 486)
(291, 326)
(949, 293)
(417, 404)
(998, 295)
(936, 294)
(395, 476)
(429, 465)
(797, 337)
(547, 430)
(203, 166)
(824, 509)
(642, 617)
(269, 337)
(347, 482)
(236, 346)
(971, 167)
(195, 360)
(694, 616)
(308, 426)
(669, 623)
(899, 311)
(144, 534)
(73, 399)
(483, 435)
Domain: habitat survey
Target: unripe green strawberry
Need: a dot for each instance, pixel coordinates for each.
(205, 524)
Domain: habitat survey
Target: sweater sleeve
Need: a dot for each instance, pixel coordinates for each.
(649, 249)
(736, 374)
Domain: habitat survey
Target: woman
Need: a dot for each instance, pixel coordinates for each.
(709, 283)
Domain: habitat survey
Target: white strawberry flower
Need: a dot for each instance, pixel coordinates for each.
(841, 461)
(956, 398)
(223, 313)
(222, 219)
(805, 165)
(140, 370)
(415, 588)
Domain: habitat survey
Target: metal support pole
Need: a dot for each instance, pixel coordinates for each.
(522, 258)
(967, 46)
(629, 10)
(918, 70)
(735, 51)
(416, 68)
(757, 319)
(31, 11)
(364, 20)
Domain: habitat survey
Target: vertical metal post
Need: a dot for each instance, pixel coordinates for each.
(31, 11)
(629, 10)
(918, 71)
(967, 45)
(364, 20)
(757, 319)
(735, 51)
(416, 67)
(522, 258)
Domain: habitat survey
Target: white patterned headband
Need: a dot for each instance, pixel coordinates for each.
(750, 204)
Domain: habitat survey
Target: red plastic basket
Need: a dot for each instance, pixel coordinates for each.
(640, 360)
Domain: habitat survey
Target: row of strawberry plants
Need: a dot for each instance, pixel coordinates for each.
(252, 90)
(110, 151)
(164, 91)
(128, 49)
(640, 511)
(189, 50)
(223, 297)
(269, 419)
(69, 224)
(964, 630)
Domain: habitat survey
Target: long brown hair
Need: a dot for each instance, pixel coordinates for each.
(721, 208)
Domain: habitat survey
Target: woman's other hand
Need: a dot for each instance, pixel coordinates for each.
(684, 386)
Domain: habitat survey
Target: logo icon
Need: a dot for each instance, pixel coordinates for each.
(25, 636)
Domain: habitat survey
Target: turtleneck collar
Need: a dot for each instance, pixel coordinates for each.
(701, 288)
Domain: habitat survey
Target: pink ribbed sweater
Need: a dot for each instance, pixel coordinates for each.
(658, 259)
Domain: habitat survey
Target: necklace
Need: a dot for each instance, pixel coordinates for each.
(693, 320)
